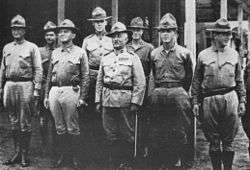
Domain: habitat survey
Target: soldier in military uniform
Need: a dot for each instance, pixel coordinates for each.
(218, 89)
(143, 50)
(46, 51)
(20, 81)
(96, 46)
(120, 91)
(69, 77)
(171, 108)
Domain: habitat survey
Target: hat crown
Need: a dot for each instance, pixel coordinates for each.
(18, 21)
(118, 27)
(168, 21)
(67, 23)
(222, 23)
(98, 12)
(136, 22)
(49, 26)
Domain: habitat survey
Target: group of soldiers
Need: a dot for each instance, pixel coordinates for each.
(111, 76)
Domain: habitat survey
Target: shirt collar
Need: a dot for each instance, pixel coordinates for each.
(121, 51)
(50, 48)
(141, 44)
(170, 50)
(68, 48)
(19, 42)
(215, 49)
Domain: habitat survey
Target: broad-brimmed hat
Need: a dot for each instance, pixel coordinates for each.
(67, 24)
(168, 21)
(221, 25)
(18, 22)
(99, 14)
(49, 26)
(117, 28)
(137, 23)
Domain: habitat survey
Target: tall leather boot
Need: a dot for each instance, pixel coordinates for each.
(227, 159)
(216, 159)
(25, 144)
(44, 131)
(62, 148)
(16, 158)
(75, 146)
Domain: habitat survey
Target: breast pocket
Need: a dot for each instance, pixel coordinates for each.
(228, 68)
(73, 65)
(125, 68)
(25, 61)
(209, 68)
(92, 47)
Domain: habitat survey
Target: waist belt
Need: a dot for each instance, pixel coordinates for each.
(19, 79)
(168, 84)
(217, 92)
(116, 87)
(94, 67)
(60, 84)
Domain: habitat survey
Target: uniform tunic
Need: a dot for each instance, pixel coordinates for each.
(21, 69)
(171, 108)
(219, 70)
(120, 82)
(67, 64)
(95, 49)
(45, 52)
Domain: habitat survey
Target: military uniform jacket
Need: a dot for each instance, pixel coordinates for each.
(21, 61)
(95, 49)
(45, 52)
(143, 51)
(67, 65)
(120, 70)
(173, 66)
(217, 70)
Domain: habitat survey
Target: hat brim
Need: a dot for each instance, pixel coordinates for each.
(137, 27)
(165, 28)
(50, 30)
(16, 26)
(111, 34)
(75, 30)
(219, 30)
(99, 19)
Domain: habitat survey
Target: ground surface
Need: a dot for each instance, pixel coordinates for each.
(94, 152)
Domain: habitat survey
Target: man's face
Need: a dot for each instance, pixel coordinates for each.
(137, 33)
(222, 38)
(66, 35)
(100, 25)
(168, 35)
(50, 37)
(119, 40)
(18, 33)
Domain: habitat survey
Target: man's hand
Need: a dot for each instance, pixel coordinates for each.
(242, 109)
(98, 107)
(134, 108)
(81, 103)
(196, 110)
(46, 102)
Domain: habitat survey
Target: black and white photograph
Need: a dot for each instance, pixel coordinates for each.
(124, 84)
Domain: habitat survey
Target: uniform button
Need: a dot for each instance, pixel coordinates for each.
(113, 70)
(115, 62)
(100, 46)
(101, 53)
